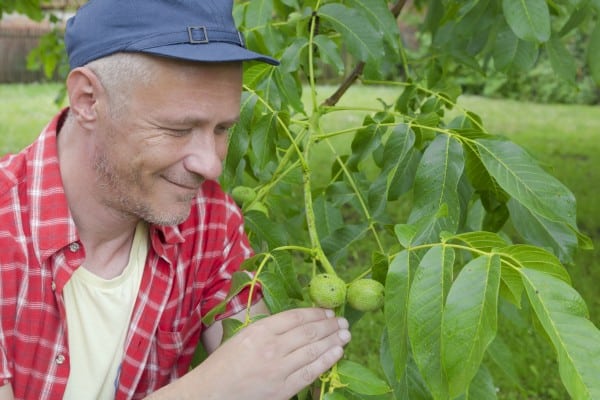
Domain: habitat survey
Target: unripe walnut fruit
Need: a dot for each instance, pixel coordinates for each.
(365, 295)
(243, 194)
(327, 291)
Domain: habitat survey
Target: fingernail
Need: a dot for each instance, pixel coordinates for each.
(344, 334)
(329, 313)
(343, 323)
(338, 352)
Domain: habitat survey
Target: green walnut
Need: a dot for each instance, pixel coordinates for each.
(243, 194)
(327, 291)
(365, 295)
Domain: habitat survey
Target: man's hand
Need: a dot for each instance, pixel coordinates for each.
(273, 358)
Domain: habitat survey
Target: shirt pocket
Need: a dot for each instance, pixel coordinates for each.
(169, 347)
(175, 347)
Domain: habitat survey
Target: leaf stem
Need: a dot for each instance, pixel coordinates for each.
(253, 283)
(311, 55)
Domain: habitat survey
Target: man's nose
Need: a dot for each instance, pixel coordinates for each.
(205, 156)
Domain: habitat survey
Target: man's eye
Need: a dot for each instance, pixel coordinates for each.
(223, 130)
(178, 132)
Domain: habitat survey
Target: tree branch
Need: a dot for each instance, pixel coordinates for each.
(332, 100)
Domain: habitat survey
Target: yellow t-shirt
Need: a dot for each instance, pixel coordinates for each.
(98, 313)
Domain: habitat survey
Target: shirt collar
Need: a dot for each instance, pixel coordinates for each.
(51, 222)
(164, 241)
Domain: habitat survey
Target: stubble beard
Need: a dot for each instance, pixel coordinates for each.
(125, 198)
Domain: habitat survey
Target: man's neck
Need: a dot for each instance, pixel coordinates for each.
(106, 234)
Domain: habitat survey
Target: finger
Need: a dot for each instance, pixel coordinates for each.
(313, 332)
(316, 350)
(290, 319)
(310, 372)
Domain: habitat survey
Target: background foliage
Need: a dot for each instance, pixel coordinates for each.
(461, 225)
(456, 222)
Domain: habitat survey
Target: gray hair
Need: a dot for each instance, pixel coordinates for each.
(119, 73)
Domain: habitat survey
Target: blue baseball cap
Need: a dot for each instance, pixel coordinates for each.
(193, 30)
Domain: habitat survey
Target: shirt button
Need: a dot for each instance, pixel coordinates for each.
(53, 286)
(74, 247)
(60, 359)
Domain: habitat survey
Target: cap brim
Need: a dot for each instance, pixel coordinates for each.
(209, 52)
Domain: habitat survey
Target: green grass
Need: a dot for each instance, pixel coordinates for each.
(24, 111)
(565, 139)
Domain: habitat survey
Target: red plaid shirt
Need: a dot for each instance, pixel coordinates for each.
(187, 273)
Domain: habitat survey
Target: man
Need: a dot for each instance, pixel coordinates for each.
(116, 238)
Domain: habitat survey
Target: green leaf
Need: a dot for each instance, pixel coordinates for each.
(262, 141)
(532, 257)
(536, 229)
(334, 396)
(578, 16)
(405, 102)
(254, 74)
(482, 387)
(368, 138)
(436, 189)
(274, 292)
(294, 55)
(258, 13)
(31, 8)
(499, 352)
(563, 62)
(386, 361)
(239, 281)
(329, 216)
(397, 286)
(593, 53)
(430, 119)
(360, 379)
(239, 141)
(528, 256)
(430, 285)
(231, 326)
(376, 200)
(329, 52)
(470, 320)
(512, 52)
(290, 89)
(264, 229)
(251, 264)
(338, 242)
(480, 178)
(284, 266)
(362, 39)
(494, 220)
(405, 234)
(378, 13)
(529, 19)
(564, 316)
(520, 176)
(484, 241)
(412, 385)
(380, 263)
(399, 161)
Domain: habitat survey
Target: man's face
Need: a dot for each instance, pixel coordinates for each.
(151, 159)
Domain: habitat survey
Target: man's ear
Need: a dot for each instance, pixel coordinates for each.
(84, 90)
